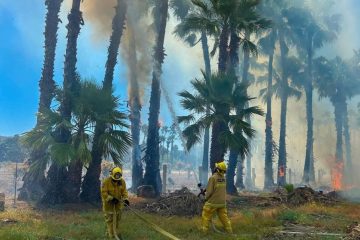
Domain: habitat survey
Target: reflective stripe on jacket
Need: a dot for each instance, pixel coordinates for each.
(216, 191)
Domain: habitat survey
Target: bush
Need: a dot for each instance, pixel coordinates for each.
(289, 188)
(289, 216)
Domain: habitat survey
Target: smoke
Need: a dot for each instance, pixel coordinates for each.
(99, 14)
(137, 48)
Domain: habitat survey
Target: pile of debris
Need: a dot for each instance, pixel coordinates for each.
(303, 195)
(180, 203)
(353, 231)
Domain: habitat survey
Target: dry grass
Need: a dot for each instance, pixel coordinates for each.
(252, 223)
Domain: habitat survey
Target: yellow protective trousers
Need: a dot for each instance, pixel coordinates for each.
(208, 212)
(109, 218)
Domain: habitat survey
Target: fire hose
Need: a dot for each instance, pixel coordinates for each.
(150, 224)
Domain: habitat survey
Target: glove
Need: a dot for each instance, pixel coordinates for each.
(126, 202)
(115, 201)
(109, 198)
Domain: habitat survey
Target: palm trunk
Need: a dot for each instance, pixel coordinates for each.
(348, 163)
(53, 189)
(339, 131)
(234, 154)
(217, 150)
(152, 170)
(248, 179)
(135, 109)
(91, 184)
(55, 185)
(230, 173)
(281, 180)
(223, 49)
(282, 143)
(309, 171)
(205, 160)
(240, 174)
(73, 182)
(34, 183)
(269, 179)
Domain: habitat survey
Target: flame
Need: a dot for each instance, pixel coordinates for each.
(337, 176)
(281, 171)
(160, 123)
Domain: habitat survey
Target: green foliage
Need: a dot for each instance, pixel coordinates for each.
(91, 105)
(210, 17)
(12, 150)
(289, 188)
(223, 95)
(289, 216)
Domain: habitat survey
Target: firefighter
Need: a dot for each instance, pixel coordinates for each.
(114, 197)
(215, 199)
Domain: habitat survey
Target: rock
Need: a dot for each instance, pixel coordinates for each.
(2, 201)
(145, 191)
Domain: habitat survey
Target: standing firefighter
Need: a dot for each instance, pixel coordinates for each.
(114, 196)
(215, 197)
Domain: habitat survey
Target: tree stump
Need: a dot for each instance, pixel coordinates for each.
(2, 201)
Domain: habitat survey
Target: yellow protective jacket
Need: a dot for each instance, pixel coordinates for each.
(215, 195)
(116, 189)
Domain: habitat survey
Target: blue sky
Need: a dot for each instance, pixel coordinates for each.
(21, 56)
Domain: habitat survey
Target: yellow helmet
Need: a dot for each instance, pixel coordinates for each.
(116, 173)
(221, 166)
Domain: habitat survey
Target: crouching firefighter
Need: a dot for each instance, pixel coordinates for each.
(114, 197)
(215, 199)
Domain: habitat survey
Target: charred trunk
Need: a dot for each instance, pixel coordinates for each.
(152, 157)
(33, 187)
(248, 179)
(348, 162)
(135, 111)
(234, 154)
(339, 154)
(54, 190)
(55, 184)
(240, 174)
(205, 160)
(73, 182)
(91, 184)
(217, 149)
(282, 161)
(269, 179)
(309, 171)
(282, 143)
(230, 173)
(223, 49)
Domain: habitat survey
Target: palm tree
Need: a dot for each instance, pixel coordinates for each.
(334, 79)
(271, 10)
(310, 35)
(87, 109)
(191, 38)
(57, 175)
(152, 170)
(290, 68)
(91, 184)
(223, 94)
(32, 188)
(221, 20)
